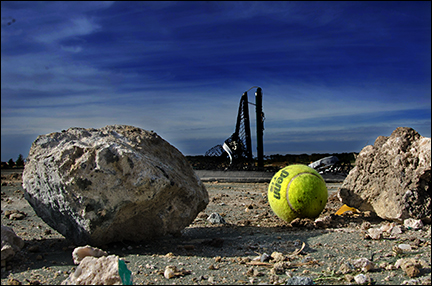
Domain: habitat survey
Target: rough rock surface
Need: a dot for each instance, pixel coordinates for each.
(96, 271)
(119, 182)
(10, 244)
(392, 177)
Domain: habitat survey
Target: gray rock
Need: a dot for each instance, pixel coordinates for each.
(392, 177)
(99, 271)
(298, 280)
(119, 182)
(216, 218)
(10, 244)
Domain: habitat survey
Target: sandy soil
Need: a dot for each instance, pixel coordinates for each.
(225, 253)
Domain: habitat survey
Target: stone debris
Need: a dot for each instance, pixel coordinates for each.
(413, 223)
(346, 268)
(323, 222)
(80, 252)
(15, 214)
(375, 233)
(216, 218)
(96, 271)
(298, 280)
(119, 182)
(411, 266)
(364, 264)
(392, 177)
(361, 279)
(10, 244)
(171, 271)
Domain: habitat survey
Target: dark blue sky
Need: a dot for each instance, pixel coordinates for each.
(334, 75)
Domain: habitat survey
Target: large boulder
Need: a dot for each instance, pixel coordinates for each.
(392, 177)
(115, 183)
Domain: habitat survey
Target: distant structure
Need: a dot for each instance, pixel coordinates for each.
(238, 146)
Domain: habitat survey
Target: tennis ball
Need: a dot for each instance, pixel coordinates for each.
(297, 191)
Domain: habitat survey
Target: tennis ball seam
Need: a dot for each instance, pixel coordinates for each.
(288, 186)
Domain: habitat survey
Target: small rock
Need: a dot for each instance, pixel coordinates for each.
(412, 271)
(375, 233)
(10, 244)
(413, 223)
(346, 268)
(361, 279)
(322, 222)
(411, 266)
(364, 263)
(396, 230)
(13, 281)
(169, 271)
(405, 247)
(265, 257)
(298, 280)
(97, 271)
(277, 256)
(80, 252)
(216, 218)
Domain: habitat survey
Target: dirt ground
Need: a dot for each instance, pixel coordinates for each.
(237, 252)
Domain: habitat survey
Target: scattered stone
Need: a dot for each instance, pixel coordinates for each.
(364, 263)
(396, 230)
(411, 266)
(375, 233)
(361, 279)
(392, 177)
(216, 218)
(298, 280)
(169, 271)
(323, 222)
(80, 252)
(97, 271)
(278, 268)
(10, 244)
(15, 214)
(277, 256)
(264, 257)
(13, 281)
(413, 223)
(405, 247)
(346, 268)
(119, 182)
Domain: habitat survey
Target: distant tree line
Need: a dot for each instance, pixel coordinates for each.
(19, 163)
(271, 162)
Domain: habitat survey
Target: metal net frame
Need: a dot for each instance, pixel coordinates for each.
(238, 145)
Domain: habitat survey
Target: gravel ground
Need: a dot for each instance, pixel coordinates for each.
(252, 247)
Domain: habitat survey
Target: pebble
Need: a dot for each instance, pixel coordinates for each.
(411, 223)
(298, 280)
(169, 271)
(216, 218)
(361, 279)
(375, 233)
(364, 263)
(404, 246)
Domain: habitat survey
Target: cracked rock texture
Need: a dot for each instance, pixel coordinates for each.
(392, 177)
(119, 182)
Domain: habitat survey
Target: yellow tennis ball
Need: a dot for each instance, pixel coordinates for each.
(297, 191)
